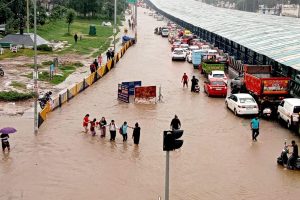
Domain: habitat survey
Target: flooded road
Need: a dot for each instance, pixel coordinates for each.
(218, 160)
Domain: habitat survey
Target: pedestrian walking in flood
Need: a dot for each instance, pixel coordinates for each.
(136, 134)
(175, 123)
(75, 38)
(108, 55)
(132, 25)
(86, 123)
(92, 127)
(255, 128)
(96, 64)
(113, 130)
(194, 83)
(100, 60)
(92, 68)
(5, 142)
(185, 80)
(123, 131)
(129, 23)
(112, 54)
(102, 125)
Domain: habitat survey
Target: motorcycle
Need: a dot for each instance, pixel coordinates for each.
(44, 99)
(1, 71)
(283, 158)
(197, 88)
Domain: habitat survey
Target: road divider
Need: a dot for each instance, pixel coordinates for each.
(66, 95)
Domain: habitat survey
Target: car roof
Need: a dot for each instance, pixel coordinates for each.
(194, 46)
(217, 72)
(216, 79)
(293, 100)
(178, 49)
(243, 95)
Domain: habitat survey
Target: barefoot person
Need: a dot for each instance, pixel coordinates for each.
(92, 127)
(113, 130)
(86, 123)
(185, 80)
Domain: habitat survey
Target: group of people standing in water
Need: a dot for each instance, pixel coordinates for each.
(112, 127)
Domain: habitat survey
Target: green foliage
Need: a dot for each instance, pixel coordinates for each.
(58, 12)
(18, 85)
(44, 47)
(70, 18)
(15, 96)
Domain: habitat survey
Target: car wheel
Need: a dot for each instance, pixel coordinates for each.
(235, 112)
(172, 59)
(226, 104)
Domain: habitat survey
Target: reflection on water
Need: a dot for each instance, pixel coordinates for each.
(217, 161)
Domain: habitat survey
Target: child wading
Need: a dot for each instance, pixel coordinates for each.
(92, 128)
(86, 123)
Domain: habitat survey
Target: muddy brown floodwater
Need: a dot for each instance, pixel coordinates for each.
(218, 161)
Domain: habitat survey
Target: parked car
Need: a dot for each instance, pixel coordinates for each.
(175, 45)
(237, 81)
(150, 13)
(218, 74)
(288, 111)
(185, 47)
(215, 87)
(165, 32)
(190, 52)
(242, 104)
(160, 18)
(178, 54)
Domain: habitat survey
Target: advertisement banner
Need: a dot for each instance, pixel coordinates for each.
(145, 94)
(123, 93)
(275, 86)
(131, 85)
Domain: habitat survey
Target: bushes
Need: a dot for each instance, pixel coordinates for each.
(44, 47)
(15, 96)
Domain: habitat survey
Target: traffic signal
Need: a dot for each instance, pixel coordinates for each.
(171, 141)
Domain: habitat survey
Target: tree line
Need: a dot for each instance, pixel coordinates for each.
(13, 12)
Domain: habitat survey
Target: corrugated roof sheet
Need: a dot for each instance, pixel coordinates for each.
(273, 36)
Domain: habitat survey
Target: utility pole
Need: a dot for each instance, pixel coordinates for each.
(115, 25)
(27, 22)
(135, 24)
(35, 75)
(167, 175)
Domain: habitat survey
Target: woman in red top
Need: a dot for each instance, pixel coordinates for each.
(92, 127)
(86, 123)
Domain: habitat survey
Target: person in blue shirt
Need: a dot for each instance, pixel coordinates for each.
(255, 128)
(123, 131)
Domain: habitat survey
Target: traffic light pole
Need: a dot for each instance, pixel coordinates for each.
(167, 175)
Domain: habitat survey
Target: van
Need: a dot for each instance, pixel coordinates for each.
(288, 111)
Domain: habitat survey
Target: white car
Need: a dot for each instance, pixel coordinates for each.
(150, 13)
(190, 53)
(178, 54)
(288, 111)
(242, 104)
(160, 18)
(165, 32)
(218, 74)
(185, 47)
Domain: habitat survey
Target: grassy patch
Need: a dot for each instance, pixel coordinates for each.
(22, 52)
(58, 31)
(63, 73)
(15, 96)
(18, 85)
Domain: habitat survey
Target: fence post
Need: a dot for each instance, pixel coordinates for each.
(68, 96)
(83, 83)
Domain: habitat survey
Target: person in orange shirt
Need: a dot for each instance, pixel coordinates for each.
(86, 123)
(185, 80)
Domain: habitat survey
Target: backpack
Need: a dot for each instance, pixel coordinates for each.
(121, 130)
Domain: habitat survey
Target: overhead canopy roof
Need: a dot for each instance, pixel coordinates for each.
(26, 39)
(275, 37)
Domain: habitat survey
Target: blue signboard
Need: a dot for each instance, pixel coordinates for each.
(131, 85)
(123, 93)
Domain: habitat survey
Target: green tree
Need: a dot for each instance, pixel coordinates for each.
(70, 18)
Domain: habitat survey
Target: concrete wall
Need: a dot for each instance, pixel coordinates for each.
(290, 10)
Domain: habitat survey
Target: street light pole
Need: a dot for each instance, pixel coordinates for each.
(115, 25)
(167, 175)
(35, 75)
(135, 25)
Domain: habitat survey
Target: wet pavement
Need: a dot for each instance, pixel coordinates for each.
(217, 161)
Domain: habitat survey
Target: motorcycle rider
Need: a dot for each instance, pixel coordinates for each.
(194, 83)
(293, 158)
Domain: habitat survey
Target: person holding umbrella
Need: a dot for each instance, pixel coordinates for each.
(4, 137)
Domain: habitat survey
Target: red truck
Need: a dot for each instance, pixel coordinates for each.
(267, 90)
